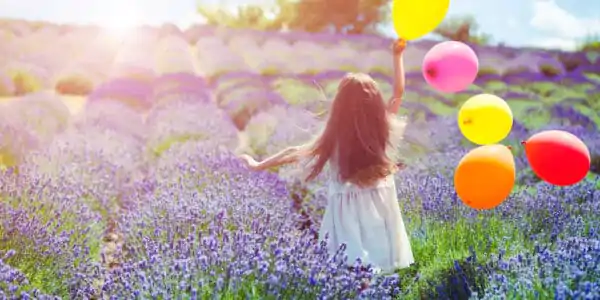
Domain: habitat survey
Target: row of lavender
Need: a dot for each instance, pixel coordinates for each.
(255, 104)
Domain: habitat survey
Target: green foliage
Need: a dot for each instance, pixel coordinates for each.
(570, 62)
(342, 16)
(296, 92)
(441, 246)
(246, 16)
(591, 43)
(387, 70)
(270, 71)
(487, 71)
(7, 159)
(74, 85)
(25, 83)
(349, 68)
(549, 70)
(462, 29)
(43, 267)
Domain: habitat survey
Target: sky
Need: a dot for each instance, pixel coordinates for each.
(540, 23)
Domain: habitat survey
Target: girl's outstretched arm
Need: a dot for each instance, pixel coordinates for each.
(399, 77)
(286, 156)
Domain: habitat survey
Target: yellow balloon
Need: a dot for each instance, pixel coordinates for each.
(485, 119)
(416, 18)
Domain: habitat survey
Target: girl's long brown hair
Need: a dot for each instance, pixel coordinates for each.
(357, 134)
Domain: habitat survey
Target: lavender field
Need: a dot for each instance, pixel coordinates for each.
(119, 177)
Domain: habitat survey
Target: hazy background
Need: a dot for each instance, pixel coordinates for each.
(560, 24)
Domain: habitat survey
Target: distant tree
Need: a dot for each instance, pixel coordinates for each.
(247, 16)
(591, 43)
(339, 16)
(462, 29)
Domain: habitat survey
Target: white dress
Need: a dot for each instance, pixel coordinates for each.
(369, 222)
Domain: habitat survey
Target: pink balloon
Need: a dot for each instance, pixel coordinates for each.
(450, 67)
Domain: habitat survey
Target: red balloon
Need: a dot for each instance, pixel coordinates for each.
(558, 157)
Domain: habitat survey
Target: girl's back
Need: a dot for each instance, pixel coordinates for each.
(368, 220)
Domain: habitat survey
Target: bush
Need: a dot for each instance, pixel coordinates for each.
(74, 85)
(486, 71)
(570, 61)
(25, 83)
(269, 72)
(591, 43)
(549, 70)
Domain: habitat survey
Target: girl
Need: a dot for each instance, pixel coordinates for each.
(362, 210)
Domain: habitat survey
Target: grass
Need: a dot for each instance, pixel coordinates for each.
(45, 271)
(438, 245)
(75, 104)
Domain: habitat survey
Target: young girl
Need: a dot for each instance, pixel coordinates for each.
(362, 210)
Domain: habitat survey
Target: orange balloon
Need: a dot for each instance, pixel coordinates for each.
(485, 176)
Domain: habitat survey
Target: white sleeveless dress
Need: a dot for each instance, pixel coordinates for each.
(369, 222)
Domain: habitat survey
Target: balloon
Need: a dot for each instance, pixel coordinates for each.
(485, 119)
(416, 18)
(450, 67)
(485, 176)
(558, 157)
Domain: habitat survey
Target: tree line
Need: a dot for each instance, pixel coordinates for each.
(334, 16)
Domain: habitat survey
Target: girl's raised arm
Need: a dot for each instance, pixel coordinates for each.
(398, 50)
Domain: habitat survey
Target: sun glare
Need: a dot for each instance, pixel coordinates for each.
(121, 24)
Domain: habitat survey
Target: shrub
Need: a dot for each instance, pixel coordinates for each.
(591, 43)
(570, 61)
(487, 71)
(549, 70)
(74, 85)
(25, 83)
(269, 71)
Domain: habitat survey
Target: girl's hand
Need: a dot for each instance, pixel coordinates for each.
(398, 46)
(250, 162)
